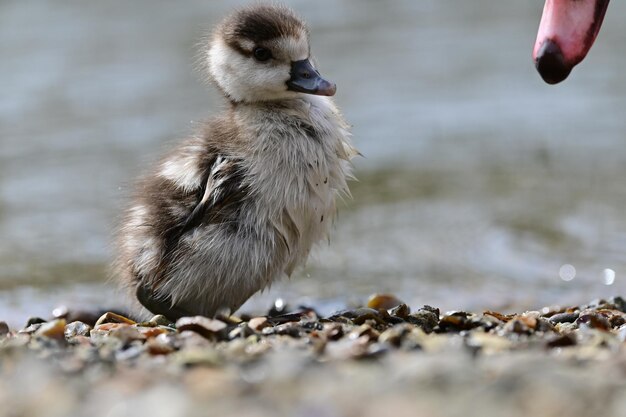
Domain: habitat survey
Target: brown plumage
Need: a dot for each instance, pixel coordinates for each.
(240, 203)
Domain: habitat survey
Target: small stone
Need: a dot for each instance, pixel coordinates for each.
(4, 329)
(564, 317)
(361, 315)
(393, 336)
(258, 323)
(52, 330)
(34, 320)
(502, 317)
(364, 330)
(619, 303)
(615, 317)
(533, 313)
(229, 319)
(286, 329)
(457, 321)
(333, 331)
(30, 329)
(433, 310)
(77, 328)
(544, 325)
(208, 328)
(152, 332)
(564, 340)
(424, 318)
(127, 333)
(163, 344)
(402, 311)
(110, 317)
(594, 320)
(488, 322)
(565, 328)
(161, 320)
(188, 339)
(303, 315)
(241, 332)
(529, 320)
(107, 327)
(383, 301)
(520, 326)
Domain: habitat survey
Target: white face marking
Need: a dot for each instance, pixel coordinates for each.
(243, 78)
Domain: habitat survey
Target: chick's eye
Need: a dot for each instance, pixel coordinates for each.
(261, 54)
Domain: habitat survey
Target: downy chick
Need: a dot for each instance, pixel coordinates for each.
(240, 203)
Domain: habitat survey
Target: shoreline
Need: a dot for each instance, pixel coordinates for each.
(379, 358)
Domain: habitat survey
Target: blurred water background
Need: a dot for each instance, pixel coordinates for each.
(481, 187)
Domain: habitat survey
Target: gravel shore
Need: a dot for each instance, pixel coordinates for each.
(380, 359)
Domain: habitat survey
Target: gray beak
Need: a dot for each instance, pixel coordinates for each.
(306, 79)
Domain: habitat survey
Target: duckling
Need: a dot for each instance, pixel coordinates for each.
(240, 203)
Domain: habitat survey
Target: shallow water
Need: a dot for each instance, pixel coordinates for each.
(479, 182)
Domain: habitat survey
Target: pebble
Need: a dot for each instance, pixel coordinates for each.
(53, 330)
(359, 333)
(258, 323)
(110, 317)
(34, 320)
(77, 328)
(208, 328)
(383, 301)
(4, 329)
(564, 317)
